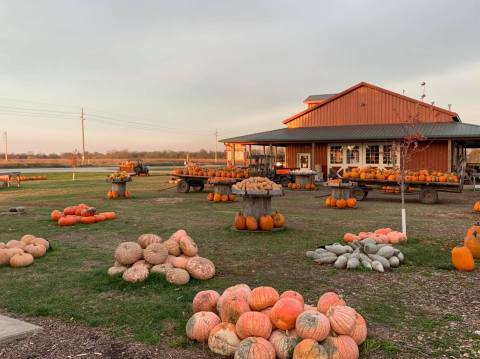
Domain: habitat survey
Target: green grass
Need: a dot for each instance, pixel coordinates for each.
(71, 284)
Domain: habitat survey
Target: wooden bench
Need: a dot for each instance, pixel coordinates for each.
(8, 178)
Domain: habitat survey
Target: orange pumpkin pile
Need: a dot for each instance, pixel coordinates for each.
(307, 186)
(396, 189)
(81, 213)
(114, 194)
(382, 235)
(374, 173)
(341, 203)
(217, 197)
(32, 178)
(23, 252)
(227, 172)
(463, 257)
(262, 323)
(267, 222)
(176, 259)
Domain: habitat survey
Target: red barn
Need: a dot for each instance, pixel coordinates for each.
(362, 126)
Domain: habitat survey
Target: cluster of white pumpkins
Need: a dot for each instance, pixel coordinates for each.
(366, 253)
(22, 253)
(176, 258)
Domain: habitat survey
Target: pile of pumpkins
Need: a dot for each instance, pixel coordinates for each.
(306, 186)
(32, 178)
(341, 203)
(114, 194)
(264, 324)
(396, 189)
(266, 222)
(217, 197)
(257, 185)
(22, 253)
(365, 253)
(81, 213)
(118, 176)
(381, 235)
(227, 172)
(463, 257)
(176, 259)
(374, 173)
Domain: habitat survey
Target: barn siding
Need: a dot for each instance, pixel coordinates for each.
(366, 105)
(320, 156)
(432, 156)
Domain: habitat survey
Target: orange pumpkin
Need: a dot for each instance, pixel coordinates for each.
(232, 197)
(67, 221)
(327, 300)
(309, 349)
(217, 197)
(476, 206)
(278, 219)
(255, 348)
(266, 222)
(262, 297)
(200, 324)
(88, 220)
(232, 307)
(359, 333)
(210, 196)
(341, 347)
(341, 203)
(351, 202)
(284, 342)
(462, 259)
(253, 324)
(69, 211)
(55, 215)
(472, 241)
(252, 224)
(312, 325)
(223, 339)
(205, 301)
(294, 295)
(285, 312)
(224, 198)
(109, 215)
(342, 319)
(240, 222)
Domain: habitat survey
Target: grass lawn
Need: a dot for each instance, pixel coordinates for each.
(423, 309)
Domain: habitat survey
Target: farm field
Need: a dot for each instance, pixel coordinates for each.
(423, 309)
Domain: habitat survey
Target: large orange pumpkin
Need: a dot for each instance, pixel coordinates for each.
(223, 339)
(231, 307)
(210, 196)
(266, 222)
(200, 324)
(472, 240)
(262, 297)
(341, 203)
(88, 220)
(359, 333)
(285, 312)
(255, 348)
(252, 224)
(351, 202)
(240, 222)
(342, 319)
(253, 324)
(55, 215)
(327, 300)
(476, 206)
(67, 221)
(341, 347)
(309, 349)
(284, 342)
(278, 219)
(462, 259)
(312, 325)
(294, 295)
(205, 301)
(217, 197)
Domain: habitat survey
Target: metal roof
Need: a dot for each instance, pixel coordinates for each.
(313, 98)
(445, 130)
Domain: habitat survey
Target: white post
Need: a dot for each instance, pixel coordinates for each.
(404, 221)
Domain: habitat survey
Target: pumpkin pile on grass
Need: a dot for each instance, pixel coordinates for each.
(267, 222)
(382, 235)
(22, 253)
(341, 203)
(176, 259)
(217, 197)
(359, 254)
(81, 213)
(306, 186)
(463, 257)
(262, 323)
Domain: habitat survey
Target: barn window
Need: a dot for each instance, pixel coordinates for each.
(387, 154)
(372, 154)
(336, 154)
(353, 154)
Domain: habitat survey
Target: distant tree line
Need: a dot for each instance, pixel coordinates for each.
(166, 154)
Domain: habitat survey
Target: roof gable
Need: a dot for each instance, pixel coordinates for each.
(379, 106)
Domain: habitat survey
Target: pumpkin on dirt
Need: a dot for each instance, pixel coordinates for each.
(472, 241)
(266, 222)
(341, 347)
(255, 348)
(177, 276)
(462, 259)
(136, 273)
(240, 222)
(205, 301)
(251, 223)
(309, 348)
(253, 324)
(262, 297)
(359, 333)
(200, 325)
(200, 268)
(223, 339)
(285, 312)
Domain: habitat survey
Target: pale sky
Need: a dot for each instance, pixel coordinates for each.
(154, 75)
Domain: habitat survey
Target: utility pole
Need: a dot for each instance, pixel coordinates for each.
(216, 144)
(82, 119)
(6, 146)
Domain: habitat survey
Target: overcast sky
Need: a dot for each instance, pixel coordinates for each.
(165, 74)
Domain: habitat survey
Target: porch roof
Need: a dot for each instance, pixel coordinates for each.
(451, 130)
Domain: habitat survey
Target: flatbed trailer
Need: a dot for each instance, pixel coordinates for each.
(187, 182)
(427, 191)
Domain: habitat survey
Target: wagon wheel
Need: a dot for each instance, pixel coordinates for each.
(359, 194)
(183, 186)
(198, 187)
(428, 196)
(284, 181)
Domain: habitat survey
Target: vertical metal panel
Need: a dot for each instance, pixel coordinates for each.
(366, 105)
(432, 156)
